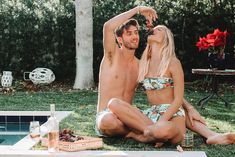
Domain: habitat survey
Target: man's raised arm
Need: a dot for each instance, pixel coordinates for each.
(112, 24)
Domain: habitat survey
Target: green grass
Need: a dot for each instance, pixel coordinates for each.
(83, 103)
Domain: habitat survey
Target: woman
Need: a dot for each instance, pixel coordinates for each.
(162, 76)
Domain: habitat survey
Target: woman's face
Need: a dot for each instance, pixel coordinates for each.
(158, 35)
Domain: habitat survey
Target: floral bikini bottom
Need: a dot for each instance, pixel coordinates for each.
(156, 111)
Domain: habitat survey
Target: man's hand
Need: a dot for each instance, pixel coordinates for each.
(193, 114)
(149, 13)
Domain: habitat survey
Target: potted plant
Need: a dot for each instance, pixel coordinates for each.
(214, 43)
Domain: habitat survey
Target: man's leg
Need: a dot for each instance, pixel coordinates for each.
(129, 115)
(108, 124)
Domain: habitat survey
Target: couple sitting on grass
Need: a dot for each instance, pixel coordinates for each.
(162, 76)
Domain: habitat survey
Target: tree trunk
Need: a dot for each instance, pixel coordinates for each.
(84, 45)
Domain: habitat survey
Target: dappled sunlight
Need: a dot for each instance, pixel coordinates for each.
(220, 126)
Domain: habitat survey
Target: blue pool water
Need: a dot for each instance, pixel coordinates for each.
(10, 133)
(10, 139)
(14, 128)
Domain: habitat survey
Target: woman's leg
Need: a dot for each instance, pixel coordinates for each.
(211, 136)
(179, 121)
(167, 130)
(141, 137)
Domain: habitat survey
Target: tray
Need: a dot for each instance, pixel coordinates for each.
(84, 144)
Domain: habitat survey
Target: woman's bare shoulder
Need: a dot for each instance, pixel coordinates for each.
(175, 62)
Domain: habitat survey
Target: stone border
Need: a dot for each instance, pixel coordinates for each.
(40, 153)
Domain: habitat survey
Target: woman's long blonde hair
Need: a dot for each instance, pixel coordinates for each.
(167, 52)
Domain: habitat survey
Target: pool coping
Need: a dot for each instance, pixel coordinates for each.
(27, 142)
(94, 153)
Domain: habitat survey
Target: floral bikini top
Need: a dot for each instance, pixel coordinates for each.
(157, 83)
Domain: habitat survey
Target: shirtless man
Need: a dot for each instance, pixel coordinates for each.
(118, 78)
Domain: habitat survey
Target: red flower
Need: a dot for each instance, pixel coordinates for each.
(214, 41)
(203, 44)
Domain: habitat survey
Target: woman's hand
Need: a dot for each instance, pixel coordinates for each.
(193, 114)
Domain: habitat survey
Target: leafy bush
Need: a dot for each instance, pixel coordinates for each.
(42, 33)
(187, 19)
(37, 34)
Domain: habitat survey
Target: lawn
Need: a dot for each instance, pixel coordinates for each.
(83, 103)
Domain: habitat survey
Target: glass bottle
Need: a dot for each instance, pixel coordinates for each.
(53, 135)
(188, 140)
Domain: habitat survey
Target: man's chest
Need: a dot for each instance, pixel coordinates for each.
(124, 73)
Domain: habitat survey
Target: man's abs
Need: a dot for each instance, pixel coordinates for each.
(105, 95)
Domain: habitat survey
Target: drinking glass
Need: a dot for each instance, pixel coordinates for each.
(188, 140)
(34, 129)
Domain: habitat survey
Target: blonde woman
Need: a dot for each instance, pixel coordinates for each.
(162, 76)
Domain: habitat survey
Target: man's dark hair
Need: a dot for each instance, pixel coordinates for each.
(126, 25)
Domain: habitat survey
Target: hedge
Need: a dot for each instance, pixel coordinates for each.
(42, 33)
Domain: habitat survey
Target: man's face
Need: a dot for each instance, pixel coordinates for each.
(130, 38)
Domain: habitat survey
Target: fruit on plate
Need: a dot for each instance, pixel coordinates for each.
(68, 135)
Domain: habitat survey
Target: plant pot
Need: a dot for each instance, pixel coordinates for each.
(218, 61)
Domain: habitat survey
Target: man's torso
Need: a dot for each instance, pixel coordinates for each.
(117, 79)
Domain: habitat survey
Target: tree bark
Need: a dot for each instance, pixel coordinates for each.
(84, 45)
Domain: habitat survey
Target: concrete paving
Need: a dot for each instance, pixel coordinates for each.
(42, 153)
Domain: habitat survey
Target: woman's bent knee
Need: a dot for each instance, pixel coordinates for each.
(163, 130)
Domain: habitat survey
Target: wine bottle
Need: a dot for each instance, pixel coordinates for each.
(53, 135)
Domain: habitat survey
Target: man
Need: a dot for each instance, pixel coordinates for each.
(118, 79)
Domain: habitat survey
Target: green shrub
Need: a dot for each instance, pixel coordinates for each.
(37, 34)
(42, 33)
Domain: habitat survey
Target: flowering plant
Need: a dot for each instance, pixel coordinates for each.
(214, 42)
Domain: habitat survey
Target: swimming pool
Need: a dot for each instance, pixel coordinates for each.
(10, 139)
(13, 128)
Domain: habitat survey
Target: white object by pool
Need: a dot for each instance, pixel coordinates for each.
(6, 80)
(40, 76)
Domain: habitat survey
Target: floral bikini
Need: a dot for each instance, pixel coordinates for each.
(157, 83)
(156, 111)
